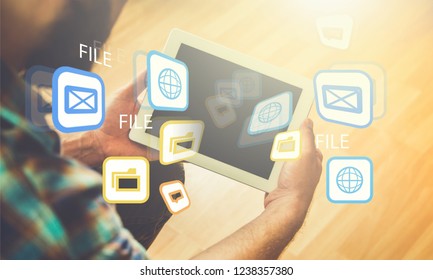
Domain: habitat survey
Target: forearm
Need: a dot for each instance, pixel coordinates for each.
(263, 238)
(83, 147)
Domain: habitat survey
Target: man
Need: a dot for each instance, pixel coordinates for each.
(51, 205)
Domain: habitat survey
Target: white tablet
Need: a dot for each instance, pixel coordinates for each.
(229, 145)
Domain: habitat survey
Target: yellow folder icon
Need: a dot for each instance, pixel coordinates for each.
(181, 144)
(126, 181)
(287, 145)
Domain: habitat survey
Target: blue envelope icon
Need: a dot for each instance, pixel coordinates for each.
(80, 100)
(342, 98)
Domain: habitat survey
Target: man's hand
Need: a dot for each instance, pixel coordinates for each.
(94, 146)
(266, 236)
(298, 178)
(113, 140)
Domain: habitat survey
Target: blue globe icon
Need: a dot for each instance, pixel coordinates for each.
(169, 83)
(269, 112)
(349, 179)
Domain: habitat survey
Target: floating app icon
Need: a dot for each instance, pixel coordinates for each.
(344, 97)
(44, 97)
(175, 196)
(179, 140)
(139, 63)
(38, 95)
(250, 83)
(167, 82)
(378, 78)
(349, 179)
(246, 140)
(335, 31)
(271, 114)
(229, 91)
(287, 145)
(125, 180)
(221, 111)
(78, 100)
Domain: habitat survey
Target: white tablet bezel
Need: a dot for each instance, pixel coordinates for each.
(178, 37)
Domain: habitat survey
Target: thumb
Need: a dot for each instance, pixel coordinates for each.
(307, 137)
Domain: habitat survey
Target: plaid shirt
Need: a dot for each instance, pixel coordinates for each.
(51, 207)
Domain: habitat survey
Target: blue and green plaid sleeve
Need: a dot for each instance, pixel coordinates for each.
(51, 207)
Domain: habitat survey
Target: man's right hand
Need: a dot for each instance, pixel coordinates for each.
(298, 178)
(266, 236)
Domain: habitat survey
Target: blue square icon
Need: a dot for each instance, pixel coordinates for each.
(344, 97)
(43, 106)
(349, 179)
(168, 82)
(38, 81)
(78, 100)
(271, 114)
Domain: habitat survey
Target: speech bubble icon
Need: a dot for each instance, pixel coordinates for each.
(175, 196)
(335, 30)
(333, 33)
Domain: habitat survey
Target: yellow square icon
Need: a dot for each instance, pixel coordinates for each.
(287, 145)
(125, 180)
(179, 140)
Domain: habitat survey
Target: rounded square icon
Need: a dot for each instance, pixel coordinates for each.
(247, 140)
(250, 83)
(349, 179)
(179, 140)
(287, 145)
(221, 111)
(125, 180)
(167, 82)
(229, 91)
(344, 97)
(378, 76)
(38, 95)
(78, 100)
(271, 114)
(175, 196)
(139, 64)
(335, 30)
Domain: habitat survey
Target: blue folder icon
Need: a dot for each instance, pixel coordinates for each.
(342, 98)
(80, 100)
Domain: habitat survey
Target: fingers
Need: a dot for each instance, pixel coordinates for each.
(308, 140)
(307, 137)
(139, 101)
(152, 154)
(134, 88)
(319, 154)
(141, 81)
(140, 150)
